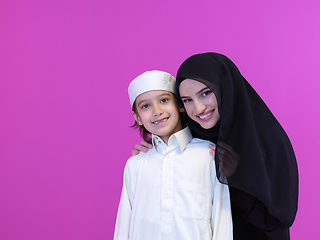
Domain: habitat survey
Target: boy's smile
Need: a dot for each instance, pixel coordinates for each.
(158, 112)
(160, 121)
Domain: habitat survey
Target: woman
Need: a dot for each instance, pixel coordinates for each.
(255, 156)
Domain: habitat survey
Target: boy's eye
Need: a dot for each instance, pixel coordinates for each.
(164, 100)
(145, 106)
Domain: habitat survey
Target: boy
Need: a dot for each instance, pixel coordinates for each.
(170, 192)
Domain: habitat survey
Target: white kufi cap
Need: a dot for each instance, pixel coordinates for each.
(149, 81)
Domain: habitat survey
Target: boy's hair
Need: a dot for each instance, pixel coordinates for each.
(144, 133)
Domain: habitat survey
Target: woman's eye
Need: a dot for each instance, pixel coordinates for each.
(206, 93)
(186, 100)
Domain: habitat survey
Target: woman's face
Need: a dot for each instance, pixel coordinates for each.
(200, 103)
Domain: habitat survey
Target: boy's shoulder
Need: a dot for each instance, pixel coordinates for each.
(141, 156)
(197, 142)
(198, 146)
(198, 149)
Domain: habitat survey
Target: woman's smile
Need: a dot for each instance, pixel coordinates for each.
(205, 116)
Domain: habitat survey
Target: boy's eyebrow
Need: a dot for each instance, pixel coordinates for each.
(159, 96)
(197, 92)
(142, 101)
(165, 94)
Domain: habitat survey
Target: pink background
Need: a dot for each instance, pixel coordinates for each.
(65, 115)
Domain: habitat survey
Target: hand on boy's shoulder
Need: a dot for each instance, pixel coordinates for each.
(228, 158)
(144, 147)
(135, 152)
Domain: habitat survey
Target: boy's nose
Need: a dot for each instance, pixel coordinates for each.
(157, 110)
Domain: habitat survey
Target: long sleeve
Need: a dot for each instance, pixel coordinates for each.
(124, 214)
(221, 218)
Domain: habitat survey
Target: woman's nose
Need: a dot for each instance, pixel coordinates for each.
(199, 106)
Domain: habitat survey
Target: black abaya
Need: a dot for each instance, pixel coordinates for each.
(264, 187)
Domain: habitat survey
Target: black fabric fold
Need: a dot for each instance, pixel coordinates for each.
(267, 169)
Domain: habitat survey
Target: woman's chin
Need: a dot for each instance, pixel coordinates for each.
(207, 125)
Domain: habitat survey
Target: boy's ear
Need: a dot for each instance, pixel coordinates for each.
(137, 118)
(181, 109)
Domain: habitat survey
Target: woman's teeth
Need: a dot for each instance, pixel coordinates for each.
(204, 116)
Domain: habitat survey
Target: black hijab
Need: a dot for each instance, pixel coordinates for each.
(267, 168)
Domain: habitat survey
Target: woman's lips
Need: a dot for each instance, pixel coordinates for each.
(205, 116)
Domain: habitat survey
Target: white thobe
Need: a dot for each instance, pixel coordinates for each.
(171, 192)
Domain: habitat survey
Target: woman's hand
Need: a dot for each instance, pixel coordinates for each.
(212, 149)
(144, 147)
(228, 158)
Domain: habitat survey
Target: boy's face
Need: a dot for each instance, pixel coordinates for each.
(158, 112)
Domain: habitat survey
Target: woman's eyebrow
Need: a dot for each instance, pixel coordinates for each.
(202, 90)
(184, 96)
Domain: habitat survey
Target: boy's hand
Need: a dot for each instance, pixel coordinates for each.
(144, 147)
(228, 158)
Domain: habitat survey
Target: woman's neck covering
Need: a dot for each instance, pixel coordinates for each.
(267, 168)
